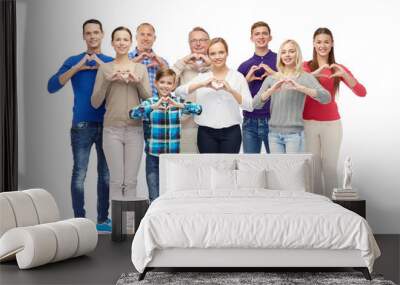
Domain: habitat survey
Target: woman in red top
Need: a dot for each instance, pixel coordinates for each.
(322, 125)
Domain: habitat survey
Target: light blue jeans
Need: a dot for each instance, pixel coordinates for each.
(286, 142)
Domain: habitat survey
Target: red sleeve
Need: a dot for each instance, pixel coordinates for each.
(306, 67)
(358, 89)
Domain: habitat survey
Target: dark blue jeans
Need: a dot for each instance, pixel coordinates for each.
(152, 176)
(225, 140)
(152, 167)
(255, 132)
(83, 136)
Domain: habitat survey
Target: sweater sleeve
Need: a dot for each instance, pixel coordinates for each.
(54, 84)
(179, 67)
(183, 90)
(142, 111)
(143, 85)
(247, 100)
(258, 103)
(358, 89)
(100, 89)
(243, 69)
(323, 96)
(192, 108)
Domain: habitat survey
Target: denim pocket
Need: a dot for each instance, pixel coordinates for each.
(246, 122)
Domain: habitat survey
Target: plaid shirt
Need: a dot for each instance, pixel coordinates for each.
(151, 70)
(165, 126)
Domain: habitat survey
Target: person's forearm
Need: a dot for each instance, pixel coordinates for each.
(308, 91)
(64, 78)
(258, 101)
(350, 80)
(237, 96)
(193, 87)
(266, 95)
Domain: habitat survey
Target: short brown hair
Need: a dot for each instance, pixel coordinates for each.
(145, 24)
(199, 29)
(260, 24)
(92, 21)
(218, 40)
(165, 72)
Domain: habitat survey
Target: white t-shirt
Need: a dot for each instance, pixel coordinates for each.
(220, 108)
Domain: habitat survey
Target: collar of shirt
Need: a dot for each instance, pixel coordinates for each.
(263, 56)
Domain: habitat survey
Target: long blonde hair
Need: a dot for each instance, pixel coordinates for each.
(299, 60)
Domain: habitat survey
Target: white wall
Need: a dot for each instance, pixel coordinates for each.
(366, 41)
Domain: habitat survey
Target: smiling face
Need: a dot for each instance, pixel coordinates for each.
(165, 85)
(145, 38)
(260, 37)
(198, 42)
(93, 36)
(289, 55)
(121, 42)
(218, 54)
(323, 44)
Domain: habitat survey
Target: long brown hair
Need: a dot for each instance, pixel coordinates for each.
(121, 28)
(331, 57)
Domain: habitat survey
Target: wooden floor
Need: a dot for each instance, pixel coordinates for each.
(110, 260)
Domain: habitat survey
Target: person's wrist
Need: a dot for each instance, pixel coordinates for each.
(76, 68)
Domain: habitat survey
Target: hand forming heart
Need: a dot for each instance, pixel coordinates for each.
(217, 84)
(192, 58)
(124, 75)
(284, 84)
(251, 75)
(156, 61)
(90, 58)
(336, 71)
(287, 84)
(166, 103)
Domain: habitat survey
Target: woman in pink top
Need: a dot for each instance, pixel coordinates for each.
(322, 125)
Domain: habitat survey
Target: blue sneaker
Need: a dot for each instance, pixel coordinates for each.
(104, 227)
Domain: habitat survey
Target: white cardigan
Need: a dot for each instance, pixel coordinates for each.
(220, 109)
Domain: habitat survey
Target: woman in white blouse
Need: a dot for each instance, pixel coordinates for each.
(223, 93)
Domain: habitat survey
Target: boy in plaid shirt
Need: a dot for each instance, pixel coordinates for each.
(163, 114)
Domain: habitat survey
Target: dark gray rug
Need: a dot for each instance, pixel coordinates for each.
(243, 278)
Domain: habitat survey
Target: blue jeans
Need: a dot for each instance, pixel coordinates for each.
(83, 136)
(152, 176)
(286, 142)
(255, 132)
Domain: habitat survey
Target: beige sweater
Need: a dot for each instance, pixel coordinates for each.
(120, 97)
(184, 74)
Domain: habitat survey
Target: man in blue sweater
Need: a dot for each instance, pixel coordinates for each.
(261, 65)
(87, 122)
